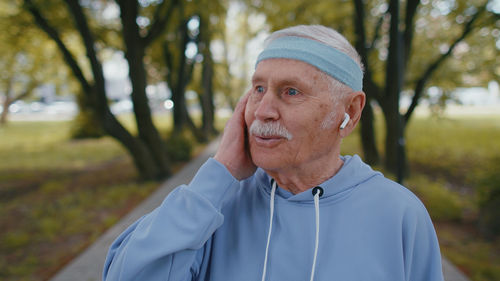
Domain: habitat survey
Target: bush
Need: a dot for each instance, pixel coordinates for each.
(86, 124)
(442, 203)
(180, 146)
(488, 193)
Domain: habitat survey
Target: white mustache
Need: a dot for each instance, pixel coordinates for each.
(269, 129)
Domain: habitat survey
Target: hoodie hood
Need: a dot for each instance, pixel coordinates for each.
(352, 173)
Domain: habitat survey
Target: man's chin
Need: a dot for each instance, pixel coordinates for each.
(265, 161)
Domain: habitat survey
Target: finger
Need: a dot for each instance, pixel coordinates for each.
(245, 96)
(240, 106)
(238, 118)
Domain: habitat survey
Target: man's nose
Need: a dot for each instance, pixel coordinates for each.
(267, 107)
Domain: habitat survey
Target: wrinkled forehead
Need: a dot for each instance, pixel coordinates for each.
(285, 68)
(323, 57)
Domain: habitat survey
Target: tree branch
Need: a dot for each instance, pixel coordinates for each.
(376, 33)
(370, 84)
(88, 41)
(359, 27)
(393, 70)
(134, 43)
(160, 22)
(371, 88)
(420, 86)
(52, 33)
(411, 11)
(29, 88)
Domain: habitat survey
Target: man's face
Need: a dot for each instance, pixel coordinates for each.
(294, 95)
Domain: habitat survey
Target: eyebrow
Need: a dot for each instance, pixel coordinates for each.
(296, 80)
(293, 82)
(256, 79)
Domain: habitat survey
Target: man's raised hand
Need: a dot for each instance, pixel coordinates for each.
(233, 151)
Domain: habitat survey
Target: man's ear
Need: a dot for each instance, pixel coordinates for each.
(354, 104)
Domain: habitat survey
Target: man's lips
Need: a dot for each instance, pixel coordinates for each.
(268, 140)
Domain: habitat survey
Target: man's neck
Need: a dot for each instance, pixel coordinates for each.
(299, 179)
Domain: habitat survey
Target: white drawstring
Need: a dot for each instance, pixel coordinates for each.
(316, 209)
(317, 193)
(271, 207)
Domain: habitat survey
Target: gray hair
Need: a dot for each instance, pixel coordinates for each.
(328, 37)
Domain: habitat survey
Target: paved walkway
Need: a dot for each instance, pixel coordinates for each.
(88, 265)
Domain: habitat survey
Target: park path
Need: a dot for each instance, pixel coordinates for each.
(89, 264)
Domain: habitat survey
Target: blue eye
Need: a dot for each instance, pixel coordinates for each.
(260, 89)
(292, 92)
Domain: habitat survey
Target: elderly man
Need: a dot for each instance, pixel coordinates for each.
(278, 202)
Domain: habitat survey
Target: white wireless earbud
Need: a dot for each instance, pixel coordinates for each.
(346, 120)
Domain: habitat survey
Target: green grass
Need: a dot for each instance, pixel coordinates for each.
(58, 195)
(455, 147)
(478, 258)
(45, 146)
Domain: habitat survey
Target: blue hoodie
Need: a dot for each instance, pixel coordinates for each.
(217, 228)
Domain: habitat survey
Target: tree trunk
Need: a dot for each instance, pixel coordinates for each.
(178, 90)
(146, 129)
(367, 133)
(394, 144)
(368, 139)
(182, 119)
(207, 95)
(6, 103)
(394, 141)
(10, 97)
(134, 54)
(207, 103)
(143, 160)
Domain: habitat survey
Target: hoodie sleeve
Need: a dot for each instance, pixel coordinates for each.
(422, 257)
(167, 243)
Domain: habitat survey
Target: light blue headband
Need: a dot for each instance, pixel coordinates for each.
(327, 59)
